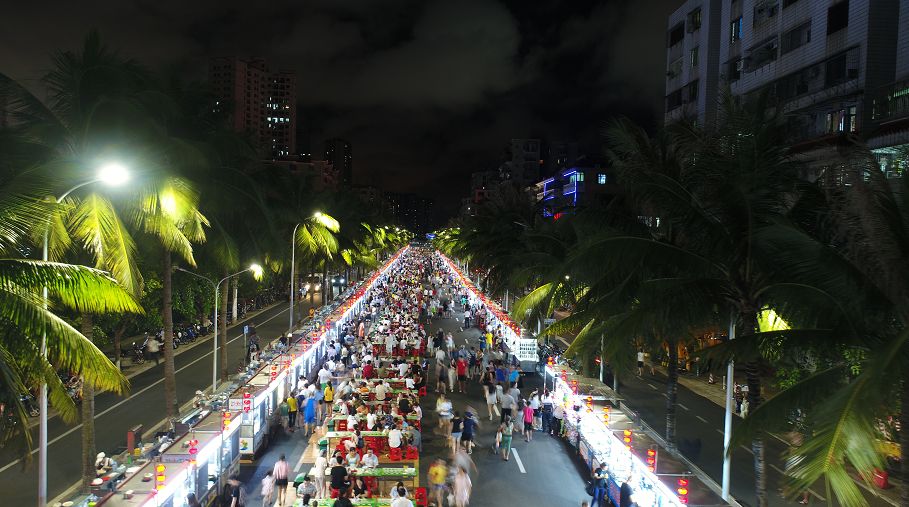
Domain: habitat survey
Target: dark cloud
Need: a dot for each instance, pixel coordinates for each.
(426, 90)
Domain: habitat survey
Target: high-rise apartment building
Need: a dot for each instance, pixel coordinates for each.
(692, 57)
(831, 67)
(260, 103)
(340, 154)
(525, 161)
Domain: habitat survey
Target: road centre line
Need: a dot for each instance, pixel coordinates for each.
(517, 459)
(701, 419)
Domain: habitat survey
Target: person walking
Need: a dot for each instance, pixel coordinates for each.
(461, 367)
(268, 489)
(599, 485)
(462, 487)
(456, 429)
(319, 474)
(291, 412)
(508, 405)
(491, 400)
(153, 348)
(452, 375)
(640, 362)
(281, 470)
(468, 428)
(438, 473)
(507, 433)
(309, 416)
(528, 422)
(283, 412)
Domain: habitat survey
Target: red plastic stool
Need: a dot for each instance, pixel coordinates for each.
(412, 453)
(419, 496)
(394, 454)
(335, 493)
(422, 391)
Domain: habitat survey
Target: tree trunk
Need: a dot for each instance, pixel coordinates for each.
(118, 347)
(312, 289)
(672, 387)
(167, 315)
(222, 329)
(904, 441)
(89, 450)
(749, 324)
(235, 289)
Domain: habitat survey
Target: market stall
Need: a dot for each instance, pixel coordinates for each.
(520, 345)
(600, 440)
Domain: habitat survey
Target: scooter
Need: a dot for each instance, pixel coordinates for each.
(138, 352)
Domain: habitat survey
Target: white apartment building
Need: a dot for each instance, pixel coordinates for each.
(829, 65)
(692, 56)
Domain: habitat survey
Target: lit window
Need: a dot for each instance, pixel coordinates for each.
(735, 30)
(601, 179)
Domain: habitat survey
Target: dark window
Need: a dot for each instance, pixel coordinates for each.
(691, 92)
(842, 120)
(674, 100)
(787, 3)
(693, 56)
(838, 17)
(762, 54)
(676, 34)
(735, 70)
(694, 20)
(735, 30)
(835, 70)
(797, 37)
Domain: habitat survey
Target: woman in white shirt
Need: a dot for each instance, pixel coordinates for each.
(319, 473)
(371, 419)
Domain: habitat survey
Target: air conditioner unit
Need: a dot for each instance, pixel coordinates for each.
(740, 65)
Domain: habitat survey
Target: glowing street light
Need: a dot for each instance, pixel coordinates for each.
(113, 175)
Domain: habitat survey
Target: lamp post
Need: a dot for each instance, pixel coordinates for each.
(727, 422)
(293, 252)
(112, 175)
(257, 273)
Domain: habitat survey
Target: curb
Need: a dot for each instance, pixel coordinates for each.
(142, 368)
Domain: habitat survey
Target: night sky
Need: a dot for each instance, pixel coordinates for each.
(426, 91)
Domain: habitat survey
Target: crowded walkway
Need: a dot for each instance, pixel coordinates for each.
(416, 405)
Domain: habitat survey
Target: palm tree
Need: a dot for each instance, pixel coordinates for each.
(25, 315)
(89, 92)
(171, 215)
(851, 316)
(728, 183)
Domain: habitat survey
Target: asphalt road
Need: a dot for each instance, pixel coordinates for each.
(542, 472)
(700, 418)
(115, 415)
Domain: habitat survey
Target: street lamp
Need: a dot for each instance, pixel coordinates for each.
(257, 274)
(293, 251)
(113, 175)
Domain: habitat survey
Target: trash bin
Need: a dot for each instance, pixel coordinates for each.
(880, 478)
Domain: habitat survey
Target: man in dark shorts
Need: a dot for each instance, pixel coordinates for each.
(468, 428)
(461, 366)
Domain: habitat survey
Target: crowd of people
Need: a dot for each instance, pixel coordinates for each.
(374, 375)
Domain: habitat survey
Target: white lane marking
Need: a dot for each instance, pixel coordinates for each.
(719, 431)
(652, 386)
(517, 459)
(701, 419)
(495, 408)
(810, 491)
(747, 449)
(131, 396)
(683, 407)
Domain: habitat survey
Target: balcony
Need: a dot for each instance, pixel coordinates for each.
(892, 102)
